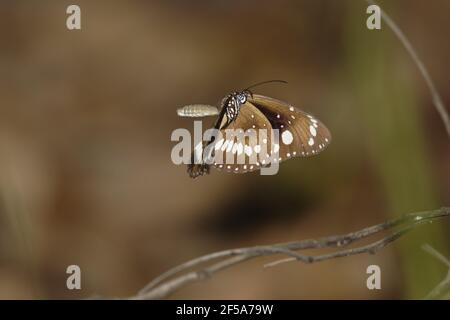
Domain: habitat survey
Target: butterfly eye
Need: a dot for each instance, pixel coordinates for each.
(242, 98)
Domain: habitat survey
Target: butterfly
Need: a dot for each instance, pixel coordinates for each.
(288, 133)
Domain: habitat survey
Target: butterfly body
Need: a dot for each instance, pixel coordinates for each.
(289, 133)
(232, 104)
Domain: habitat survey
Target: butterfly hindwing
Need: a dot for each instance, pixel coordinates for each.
(245, 148)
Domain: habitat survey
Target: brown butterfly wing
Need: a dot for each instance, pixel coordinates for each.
(249, 151)
(300, 134)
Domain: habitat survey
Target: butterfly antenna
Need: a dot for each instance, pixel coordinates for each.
(264, 82)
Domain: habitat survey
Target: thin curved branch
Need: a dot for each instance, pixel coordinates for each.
(163, 286)
(436, 98)
(371, 248)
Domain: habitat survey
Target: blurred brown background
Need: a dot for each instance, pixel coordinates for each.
(86, 116)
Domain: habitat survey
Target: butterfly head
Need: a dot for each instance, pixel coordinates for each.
(236, 98)
(241, 97)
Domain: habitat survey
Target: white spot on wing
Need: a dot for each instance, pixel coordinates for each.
(230, 146)
(276, 147)
(218, 144)
(235, 148)
(248, 150)
(287, 137)
(311, 141)
(224, 145)
(240, 148)
(312, 130)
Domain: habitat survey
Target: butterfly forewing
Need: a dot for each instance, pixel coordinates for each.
(300, 134)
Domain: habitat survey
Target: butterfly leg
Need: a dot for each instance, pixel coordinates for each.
(196, 170)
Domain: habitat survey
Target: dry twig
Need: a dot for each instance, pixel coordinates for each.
(164, 285)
